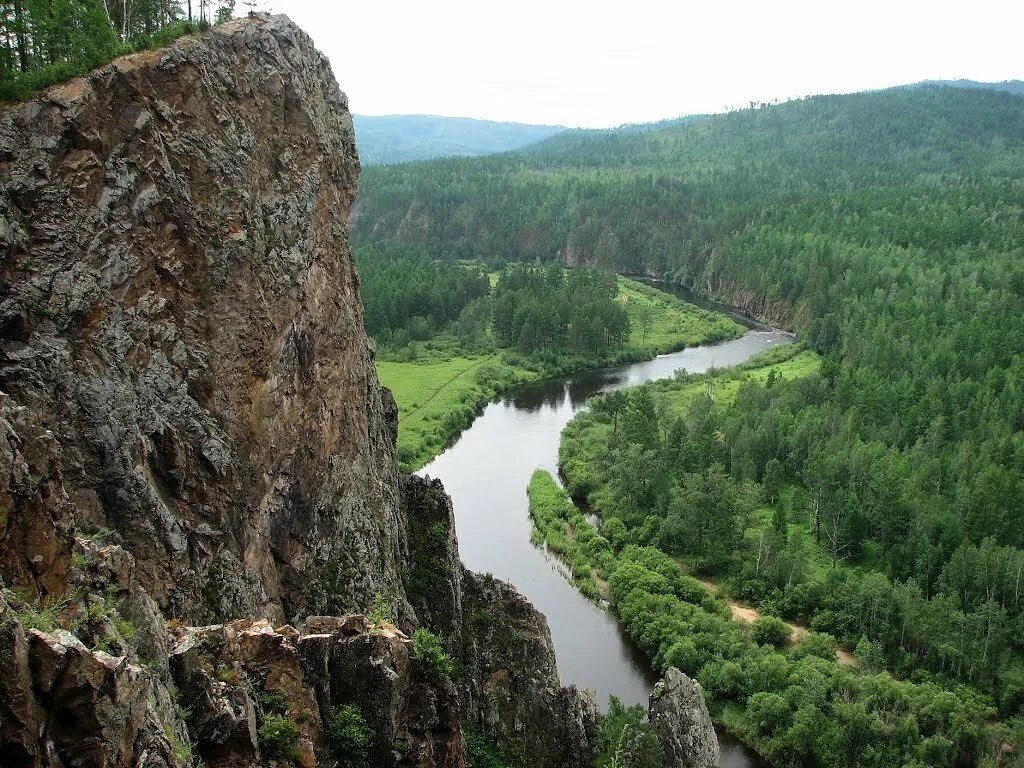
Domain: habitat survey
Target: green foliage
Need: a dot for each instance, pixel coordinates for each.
(818, 644)
(382, 611)
(272, 701)
(869, 655)
(482, 752)
(182, 749)
(278, 737)
(770, 630)
(887, 227)
(441, 383)
(125, 628)
(49, 41)
(440, 394)
(625, 739)
(552, 308)
(429, 656)
(783, 703)
(560, 526)
(36, 614)
(348, 737)
(409, 296)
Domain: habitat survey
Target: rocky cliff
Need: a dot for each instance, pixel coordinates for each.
(681, 720)
(199, 494)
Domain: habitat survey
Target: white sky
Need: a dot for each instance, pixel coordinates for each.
(599, 64)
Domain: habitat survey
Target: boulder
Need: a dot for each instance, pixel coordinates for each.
(681, 720)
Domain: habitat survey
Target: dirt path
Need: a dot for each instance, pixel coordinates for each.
(749, 615)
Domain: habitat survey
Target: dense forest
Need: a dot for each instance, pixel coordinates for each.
(552, 308)
(411, 297)
(46, 41)
(888, 229)
(729, 477)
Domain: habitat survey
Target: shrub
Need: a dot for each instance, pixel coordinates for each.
(770, 630)
(383, 609)
(272, 701)
(871, 656)
(428, 655)
(482, 752)
(817, 644)
(348, 737)
(34, 615)
(125, 628)
(279, 737)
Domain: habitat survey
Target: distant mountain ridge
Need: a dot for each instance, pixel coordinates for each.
(388, 139)
(1009, 86)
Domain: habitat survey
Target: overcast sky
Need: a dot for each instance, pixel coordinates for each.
(599, 64)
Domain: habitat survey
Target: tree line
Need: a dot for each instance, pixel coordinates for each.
(552, 308)
(46, 41)
(530, 310)
(409, 296)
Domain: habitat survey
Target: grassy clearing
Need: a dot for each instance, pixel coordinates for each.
(438, 397)
(788, 362)
(439, 393)
(674, 324)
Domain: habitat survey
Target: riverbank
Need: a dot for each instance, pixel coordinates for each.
(486, 472)
(666, 467)
(443, 388)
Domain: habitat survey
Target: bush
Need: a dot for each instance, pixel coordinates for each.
(870, 656)
(279, 737)
(428, 655)
(817, 644)
(770, 630)
(482, 752)
(382, 611)
(625, 739)
(348, 737)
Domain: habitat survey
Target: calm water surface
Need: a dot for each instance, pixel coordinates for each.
(486, 472)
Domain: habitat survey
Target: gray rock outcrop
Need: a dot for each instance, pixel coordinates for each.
(180, 311)
(681, 720)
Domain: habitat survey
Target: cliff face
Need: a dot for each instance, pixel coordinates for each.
(192, 433)
(181, 319)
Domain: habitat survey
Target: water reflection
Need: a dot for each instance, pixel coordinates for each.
(486, 472)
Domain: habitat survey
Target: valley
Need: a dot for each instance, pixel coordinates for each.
(409, 441)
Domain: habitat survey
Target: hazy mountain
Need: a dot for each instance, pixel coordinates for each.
(1010, 86)
(409, 138)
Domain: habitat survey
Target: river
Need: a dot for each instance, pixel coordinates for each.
(486, 472)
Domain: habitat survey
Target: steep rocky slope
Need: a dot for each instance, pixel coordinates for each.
(197, 463)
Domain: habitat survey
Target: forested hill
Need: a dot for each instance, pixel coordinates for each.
(662, 201)
(406, 138)
(888, 228)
